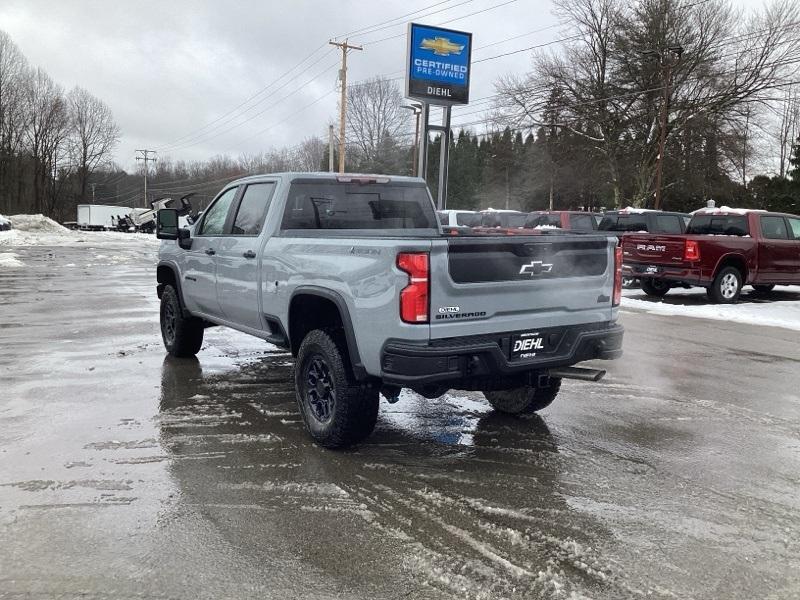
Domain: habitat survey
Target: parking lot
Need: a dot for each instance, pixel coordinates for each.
(124, 474)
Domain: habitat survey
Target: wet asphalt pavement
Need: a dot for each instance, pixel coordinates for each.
(125, 474)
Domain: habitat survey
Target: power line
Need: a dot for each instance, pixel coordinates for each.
(246, 101)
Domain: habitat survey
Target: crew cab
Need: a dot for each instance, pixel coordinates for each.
(355, 276)
(722, 250)
(573, 220)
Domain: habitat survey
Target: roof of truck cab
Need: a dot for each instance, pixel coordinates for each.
(324, 176)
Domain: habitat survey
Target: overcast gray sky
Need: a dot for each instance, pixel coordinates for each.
(167, 69)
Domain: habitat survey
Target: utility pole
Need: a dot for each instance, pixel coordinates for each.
(147, 158)
(93, 186)
(344, 47)
(330, 148)
(667, 59)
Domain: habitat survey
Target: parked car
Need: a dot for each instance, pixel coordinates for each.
(459, 218)
(509, 219)
(355, 276)
(5, 224)
(573, 220)
(722, 250)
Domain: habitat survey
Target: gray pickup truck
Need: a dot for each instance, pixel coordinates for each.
(355, 276)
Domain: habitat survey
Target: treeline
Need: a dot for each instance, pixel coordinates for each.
(51, 142)
(583, 128)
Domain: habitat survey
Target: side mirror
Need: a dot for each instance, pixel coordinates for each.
(167, 224)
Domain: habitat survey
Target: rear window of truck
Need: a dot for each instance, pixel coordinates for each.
(468, 219)
(634, 222)
(334, 205)
(719, 225)
(543, 220)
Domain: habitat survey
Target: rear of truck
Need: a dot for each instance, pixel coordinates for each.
(694, 258)
(501, 311)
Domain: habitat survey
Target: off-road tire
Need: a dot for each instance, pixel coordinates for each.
(183, 336)
(727, 286)
(655, 287)
(524, 400)
(351, 415)
(764, 289)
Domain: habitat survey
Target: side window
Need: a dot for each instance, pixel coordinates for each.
(253, 209)
(214, 219)
(774, 228)
(668, 224)
(794, 225)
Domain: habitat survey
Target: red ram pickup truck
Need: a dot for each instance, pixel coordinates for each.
(722, 250)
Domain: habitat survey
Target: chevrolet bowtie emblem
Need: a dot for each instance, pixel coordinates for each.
(535, 267)
(441, 46)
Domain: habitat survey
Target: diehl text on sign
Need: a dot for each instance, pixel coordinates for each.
(438, 67)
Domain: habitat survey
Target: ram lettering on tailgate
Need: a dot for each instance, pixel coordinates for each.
(651, 248)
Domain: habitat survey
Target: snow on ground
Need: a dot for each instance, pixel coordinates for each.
(779, 309)
(9, 260)
(38, 230)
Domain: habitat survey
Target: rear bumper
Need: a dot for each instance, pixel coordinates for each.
(482, 362)
(691, 275)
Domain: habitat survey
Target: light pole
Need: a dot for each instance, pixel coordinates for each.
(417, 109)
(667, 59)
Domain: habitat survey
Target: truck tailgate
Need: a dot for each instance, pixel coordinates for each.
(653, 249)
(497, 284)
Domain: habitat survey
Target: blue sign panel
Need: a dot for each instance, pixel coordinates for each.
(438, 66)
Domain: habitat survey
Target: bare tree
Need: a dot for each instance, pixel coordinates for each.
(94, 135)
(374, 117)
(310, 154)
(14, 73)
(46, 137)
(788, 127)
(614, 89)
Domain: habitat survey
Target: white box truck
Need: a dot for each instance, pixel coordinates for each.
(98, 216)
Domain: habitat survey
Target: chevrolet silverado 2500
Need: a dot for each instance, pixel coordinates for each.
(355, 276)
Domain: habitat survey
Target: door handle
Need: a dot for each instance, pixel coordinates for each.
(210, 251)
(249, 254)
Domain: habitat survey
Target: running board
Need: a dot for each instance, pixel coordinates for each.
(578, 373)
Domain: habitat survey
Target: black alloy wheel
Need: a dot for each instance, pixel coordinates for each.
(320, 389)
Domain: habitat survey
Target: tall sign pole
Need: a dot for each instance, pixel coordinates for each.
(438, 63)
(344, 47)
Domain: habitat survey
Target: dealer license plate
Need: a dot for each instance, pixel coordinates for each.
(527, 345)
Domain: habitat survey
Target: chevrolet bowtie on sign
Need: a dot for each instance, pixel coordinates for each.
(438, 64)
(442, 46)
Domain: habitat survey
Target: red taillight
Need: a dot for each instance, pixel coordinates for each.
(617, 276)
(691, 251)
(414, 297)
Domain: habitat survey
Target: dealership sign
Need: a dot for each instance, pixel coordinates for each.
(438, 65)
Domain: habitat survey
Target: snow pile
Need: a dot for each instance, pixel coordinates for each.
(637, 211)
(726, 210)
(38, 230)
(8, 260)
(774, 312)
(4, 221)
(36, 224)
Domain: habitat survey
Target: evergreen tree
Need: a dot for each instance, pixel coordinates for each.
(794, 161)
